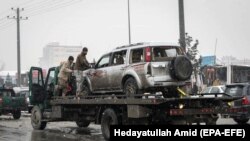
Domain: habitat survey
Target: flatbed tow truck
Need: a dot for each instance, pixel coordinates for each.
(119, 109)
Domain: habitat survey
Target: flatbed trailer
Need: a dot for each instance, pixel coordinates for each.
(113, 110)
(106, 110)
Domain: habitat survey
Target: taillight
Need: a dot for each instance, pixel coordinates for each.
(245, 101)
(148, 54)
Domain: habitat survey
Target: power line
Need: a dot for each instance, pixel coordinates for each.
(54, 7)
(17, 5)
(6, 26)
(41, 4)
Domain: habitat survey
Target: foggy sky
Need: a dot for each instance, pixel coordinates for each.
(102, 25)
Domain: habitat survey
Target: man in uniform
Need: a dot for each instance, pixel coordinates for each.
(81, 65)
(81, 61)
(64, 74)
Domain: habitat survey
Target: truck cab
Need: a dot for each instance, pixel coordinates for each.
(10, 103)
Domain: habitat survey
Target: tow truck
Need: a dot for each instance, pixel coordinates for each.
(114, 109)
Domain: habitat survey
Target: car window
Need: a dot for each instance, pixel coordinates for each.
(104, 61)
(206, 90)
(223, 88)
(7, 94)
(161, 53)
(51, 77)
(136, 55)
(119, 57)
(24, 93)
(234, 90)
(215, 90)
(37, 77)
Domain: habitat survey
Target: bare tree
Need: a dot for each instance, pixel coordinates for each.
(193, 54)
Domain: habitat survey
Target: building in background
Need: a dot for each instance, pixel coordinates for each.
(54, 53)
(9, 78)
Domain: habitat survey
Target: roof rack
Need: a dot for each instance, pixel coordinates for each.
(130, 45)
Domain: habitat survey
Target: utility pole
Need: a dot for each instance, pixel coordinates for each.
(18, 18)
(215, 47)
(182, 25)
(129, 33)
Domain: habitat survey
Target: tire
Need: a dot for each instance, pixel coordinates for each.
(131, 87)
(211, 121)
(36, 119)
(241, 121)
(181, 68)
(16, 114)
(85, 90)
(82, 123)
(109, 117)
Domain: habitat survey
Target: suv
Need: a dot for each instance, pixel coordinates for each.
(139, 68)
(240, 89)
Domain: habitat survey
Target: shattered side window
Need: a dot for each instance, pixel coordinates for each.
(164, 52)
(119, 57)
(136, 55)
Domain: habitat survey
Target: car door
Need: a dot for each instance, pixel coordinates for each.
(36, 86)
(118, 63)
(51, 81)
(98, 76)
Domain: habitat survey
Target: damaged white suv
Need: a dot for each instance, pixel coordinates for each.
(139, 68)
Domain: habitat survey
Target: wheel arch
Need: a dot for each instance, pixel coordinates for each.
(136, 77)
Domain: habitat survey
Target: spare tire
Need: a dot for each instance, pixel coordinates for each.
(181, 68)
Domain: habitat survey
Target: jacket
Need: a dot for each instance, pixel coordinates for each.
(65, 70)
(81, 62)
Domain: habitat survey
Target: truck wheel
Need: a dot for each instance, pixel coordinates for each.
(82, 123)
(211, 121)
(109, 117)
(16, 114)
(131, 87)
(36, 119)
(241, 121)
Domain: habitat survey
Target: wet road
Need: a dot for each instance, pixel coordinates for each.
(21, 130)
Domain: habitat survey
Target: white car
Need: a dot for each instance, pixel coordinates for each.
(214, 90)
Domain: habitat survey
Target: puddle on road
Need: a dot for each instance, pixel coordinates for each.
(53, 134)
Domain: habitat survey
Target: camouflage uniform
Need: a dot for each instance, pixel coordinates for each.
(63, 76)
(81, 65)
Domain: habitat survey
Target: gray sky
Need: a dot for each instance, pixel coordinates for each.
(102, 25)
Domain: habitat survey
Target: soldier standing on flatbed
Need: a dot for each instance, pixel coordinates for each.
(81, 65)
(63, 76)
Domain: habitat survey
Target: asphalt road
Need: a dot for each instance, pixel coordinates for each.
(21, 130)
